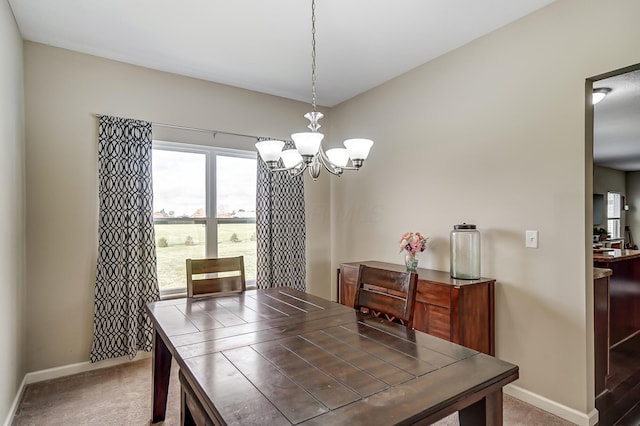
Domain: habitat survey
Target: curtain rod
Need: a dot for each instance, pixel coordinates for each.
(196, 129)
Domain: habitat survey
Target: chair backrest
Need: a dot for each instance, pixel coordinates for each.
(200, 282)
(387, 292)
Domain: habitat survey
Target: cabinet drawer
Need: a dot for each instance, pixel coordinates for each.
(434, 294)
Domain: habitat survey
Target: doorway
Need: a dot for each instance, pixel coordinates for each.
(614, 141)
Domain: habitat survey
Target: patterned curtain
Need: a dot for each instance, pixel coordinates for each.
(280, 228)
(126, 270)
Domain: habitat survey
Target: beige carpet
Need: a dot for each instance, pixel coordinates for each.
(121, 395)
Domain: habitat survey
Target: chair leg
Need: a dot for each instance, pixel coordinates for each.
(186, 418)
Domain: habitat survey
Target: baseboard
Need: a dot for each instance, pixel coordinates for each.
(552, 407)
(65, 370)
(534, 399)
(81, 367)
(16, 402)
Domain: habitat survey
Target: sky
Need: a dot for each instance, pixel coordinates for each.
(179, 182)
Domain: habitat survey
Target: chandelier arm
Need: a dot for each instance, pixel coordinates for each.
(336, 170)
(330, 167)
(324, 160)
(297, 172)
(349, 168)
(292, 168)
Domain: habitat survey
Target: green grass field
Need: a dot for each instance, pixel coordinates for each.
(171, 259)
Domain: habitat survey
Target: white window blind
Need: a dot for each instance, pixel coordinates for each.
(613, 214)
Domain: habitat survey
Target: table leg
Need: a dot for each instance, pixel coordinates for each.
(161, 373)
(487, 411)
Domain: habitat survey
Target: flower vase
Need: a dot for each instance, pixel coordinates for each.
(411, 261)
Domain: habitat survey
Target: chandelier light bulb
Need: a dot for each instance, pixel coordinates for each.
(308, 143)
(358, 148)
(291, 158)
(339, 157)
(270, 151)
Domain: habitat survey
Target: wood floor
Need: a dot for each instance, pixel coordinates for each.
(621, 406)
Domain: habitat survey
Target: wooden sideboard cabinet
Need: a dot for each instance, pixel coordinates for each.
(461, 311)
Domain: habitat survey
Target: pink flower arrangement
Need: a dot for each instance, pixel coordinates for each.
(413, 242)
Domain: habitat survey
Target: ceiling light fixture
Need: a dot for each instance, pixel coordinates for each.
(309, 153)
(599, 94)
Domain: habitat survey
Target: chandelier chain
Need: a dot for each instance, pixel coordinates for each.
(309, 154)
(313, 54)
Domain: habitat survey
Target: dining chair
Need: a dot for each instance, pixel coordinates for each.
(388, 293)
(211, 276)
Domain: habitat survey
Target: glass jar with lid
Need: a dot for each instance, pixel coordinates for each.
(465, 252)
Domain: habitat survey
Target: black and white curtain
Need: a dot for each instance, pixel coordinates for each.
(280, 228)
(126, 269)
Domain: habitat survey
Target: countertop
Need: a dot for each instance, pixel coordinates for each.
(601, 273)
(432, 275)
(615, 255)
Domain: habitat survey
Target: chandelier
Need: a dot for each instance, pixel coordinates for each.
(309, 154)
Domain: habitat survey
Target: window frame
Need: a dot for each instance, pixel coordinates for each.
(211, 219)
(614, 218)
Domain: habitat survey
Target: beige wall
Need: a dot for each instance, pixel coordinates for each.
(494, 134)
(63, 92)
(608, 180)
(632, 216)
(12, 225)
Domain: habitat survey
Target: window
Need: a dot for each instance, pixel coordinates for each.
(613, 214)
(204, 206)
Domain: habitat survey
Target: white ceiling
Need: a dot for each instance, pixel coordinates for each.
(265, 45)
(616, 123)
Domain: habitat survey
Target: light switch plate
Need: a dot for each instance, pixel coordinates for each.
(531, 239)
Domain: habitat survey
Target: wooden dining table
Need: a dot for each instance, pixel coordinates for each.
(281, 356)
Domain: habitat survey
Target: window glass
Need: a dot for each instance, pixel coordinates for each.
(182, 178)
(175, 243)
(179, 184)
(235, 187)
(239, 239)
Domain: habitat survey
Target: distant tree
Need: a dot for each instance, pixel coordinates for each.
(162, 242)
(160, 213)
(189, 241)
(234, 238)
